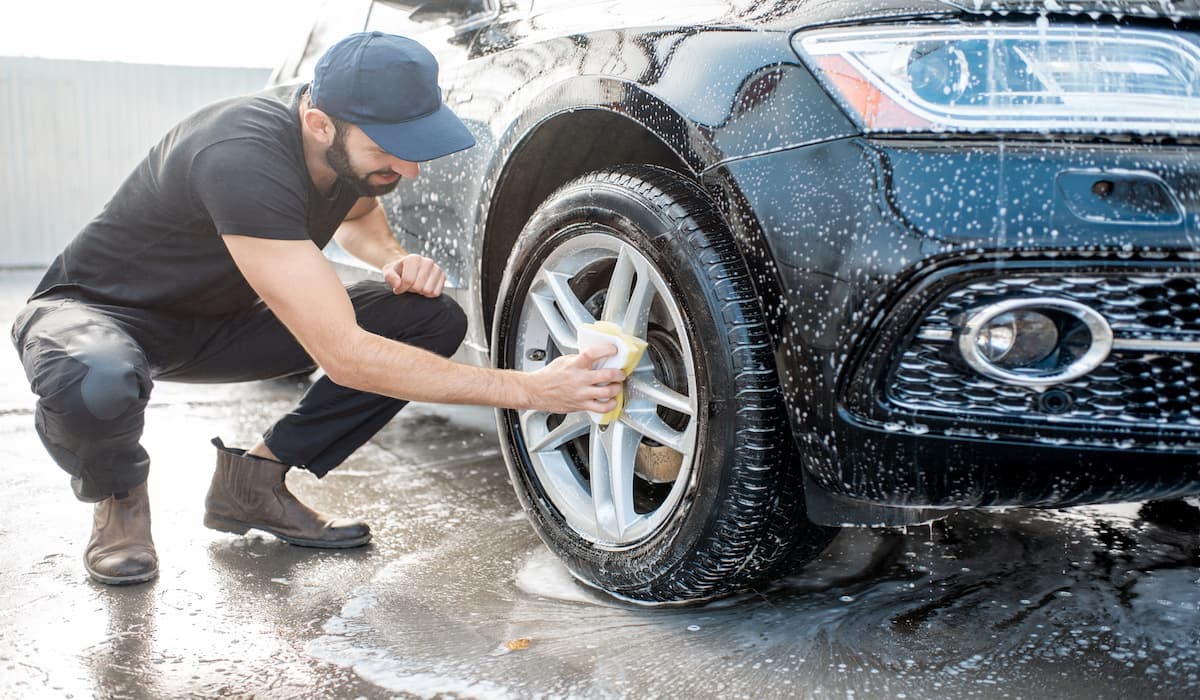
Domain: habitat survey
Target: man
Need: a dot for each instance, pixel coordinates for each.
(206, 266)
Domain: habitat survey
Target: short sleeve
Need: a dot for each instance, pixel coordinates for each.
(250, 189)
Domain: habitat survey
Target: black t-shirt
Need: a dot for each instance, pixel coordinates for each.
(234, 167)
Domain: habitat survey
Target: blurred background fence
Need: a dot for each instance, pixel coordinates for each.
(70, 131)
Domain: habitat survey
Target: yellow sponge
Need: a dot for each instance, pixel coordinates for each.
(629, 353)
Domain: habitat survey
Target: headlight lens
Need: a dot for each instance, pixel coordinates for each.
(991, 77)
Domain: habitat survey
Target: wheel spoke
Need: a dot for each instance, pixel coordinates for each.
(637, 313)
(616, 299)
(574, 425)
(563, 311)
(649, 388)
(560, 329)
(570, 305)
(646, 422)
(627, 303)
(564, 485)
(613, 452)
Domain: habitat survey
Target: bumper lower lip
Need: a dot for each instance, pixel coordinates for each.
(926, 471)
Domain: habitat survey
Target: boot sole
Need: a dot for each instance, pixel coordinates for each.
(120, 580)
(237, 527)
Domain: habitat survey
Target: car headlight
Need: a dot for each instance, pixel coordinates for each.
(1002, 77)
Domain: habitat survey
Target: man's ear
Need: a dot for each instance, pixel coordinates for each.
(319, 125)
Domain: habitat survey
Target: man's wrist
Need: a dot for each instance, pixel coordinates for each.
(518, 390)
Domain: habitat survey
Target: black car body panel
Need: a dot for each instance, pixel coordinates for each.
(847, 260)
(852, 239)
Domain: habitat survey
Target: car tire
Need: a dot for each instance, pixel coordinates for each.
(694, 493)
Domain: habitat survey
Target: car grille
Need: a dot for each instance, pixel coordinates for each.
(1151, 377)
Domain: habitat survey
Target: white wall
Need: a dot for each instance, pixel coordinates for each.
(70, 131)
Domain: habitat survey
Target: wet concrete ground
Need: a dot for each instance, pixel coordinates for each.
(1083, 603)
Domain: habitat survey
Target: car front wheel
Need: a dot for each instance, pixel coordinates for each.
(692, 492)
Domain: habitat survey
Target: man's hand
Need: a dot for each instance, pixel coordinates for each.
(569, 384)
(414, 273)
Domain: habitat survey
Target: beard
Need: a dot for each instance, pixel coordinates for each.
(339, 159)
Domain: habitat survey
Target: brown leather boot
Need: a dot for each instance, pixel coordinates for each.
(248, 492)
(121, 550)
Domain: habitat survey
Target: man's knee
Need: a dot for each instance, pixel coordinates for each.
(112, 386)
(90, 414)
(86, 373)
(455, 326)
(441, 327)
(437, 324)
(87, 392)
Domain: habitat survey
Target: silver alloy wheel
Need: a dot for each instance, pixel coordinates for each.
(598, 501)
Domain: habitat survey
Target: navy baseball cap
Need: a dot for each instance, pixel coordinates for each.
(386, 85)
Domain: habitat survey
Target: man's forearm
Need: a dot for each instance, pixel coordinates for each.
(382, 366)
(566, 385)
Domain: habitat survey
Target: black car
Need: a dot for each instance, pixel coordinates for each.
(892, 259)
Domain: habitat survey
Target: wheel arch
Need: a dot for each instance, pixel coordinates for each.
(569, 140)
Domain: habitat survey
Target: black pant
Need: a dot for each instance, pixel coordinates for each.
(93, 365)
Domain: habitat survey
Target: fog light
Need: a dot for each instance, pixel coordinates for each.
(1016, 339)
(1035, 342)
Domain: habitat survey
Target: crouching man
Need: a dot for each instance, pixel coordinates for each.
(206, 266)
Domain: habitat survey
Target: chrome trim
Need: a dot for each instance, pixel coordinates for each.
(1156, 345)
(1102, 341)
(946, 335)
(936, 335)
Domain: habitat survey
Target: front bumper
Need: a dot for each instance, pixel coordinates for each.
(866, 252)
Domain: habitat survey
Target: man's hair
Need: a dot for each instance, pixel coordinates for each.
(341, 125)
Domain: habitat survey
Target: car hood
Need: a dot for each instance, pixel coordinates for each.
(1174, 10)
(583, 16)
(782, 14)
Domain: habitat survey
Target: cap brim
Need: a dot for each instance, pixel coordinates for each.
(433, 136)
